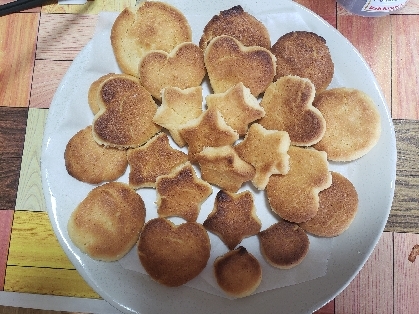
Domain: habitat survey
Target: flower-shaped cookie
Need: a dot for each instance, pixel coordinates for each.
(178, 107)
(222, 166)
(208, 130)
(181, 193)
(288, 107)
(233, 217)
(237, 106)
(229, 62)
(266, 150)
(183, 67)
(153, 159)
(295, 196)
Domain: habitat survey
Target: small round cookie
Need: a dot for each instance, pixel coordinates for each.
(238, 273)
(237, 23)
(108, 222)
(284, 244)
(304, 54)
(337, 209)
(92, 163)
(173, 254)
(153, 25)
(353, 123)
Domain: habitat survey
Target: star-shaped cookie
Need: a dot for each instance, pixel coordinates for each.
(181, 193)
(222, 166)
(237, 106)
(208, 130)
(233, 217)
(153, 159)
(266, 150)
(178, 107)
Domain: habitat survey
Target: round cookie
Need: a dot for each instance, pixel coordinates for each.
(154, 25)
(353, 124)
(238, 273)
(304, 54)
(92, 163)
(237, 23)
(173, 254)
(284, 244)
(107, 223)
(337, 209)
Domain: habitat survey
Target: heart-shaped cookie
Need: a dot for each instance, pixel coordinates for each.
(125, 118)
(173, 254)
(229, 62)
(183, 67)
(288, 105)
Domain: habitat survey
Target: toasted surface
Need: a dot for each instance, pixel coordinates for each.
(237, 106)
(233, 217)
(229, 62)
(337, 210)
(173, 254)
(89, 162)
(181, 193)
(288, 107)
(222, 166)
(353, 123)
(295, 196)
(238, 272)
(237, 23)
(107, 223)
(209, 129)
(177, 108)
(126, 117)
(152, 160)
(183, 67)
(154, 25)
(304, 54)
(266, 151)
(284, 244)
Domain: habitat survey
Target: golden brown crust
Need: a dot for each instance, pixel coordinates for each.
(304, 54)
(237, 23)
(178, 107)
(238, 272)
(288, 107)
(353, 123)
(338, 205)
(266, 151)
(284, 244)
(93, 95)
(181, 193)
(107, 223)
(154, 25)
(229, 62)
(173, 255)
(208, 130)
(89, 162)
(126, 118)
(222, 166)
(295, 196)
(233, 217)
(237, 106)
(152, 160)
(183, 67)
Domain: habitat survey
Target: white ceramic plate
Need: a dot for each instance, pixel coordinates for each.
(373, 176)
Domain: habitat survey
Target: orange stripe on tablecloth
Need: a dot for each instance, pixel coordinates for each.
(6, 219)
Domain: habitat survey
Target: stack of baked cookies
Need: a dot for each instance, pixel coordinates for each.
(270, 120)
